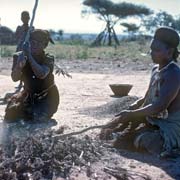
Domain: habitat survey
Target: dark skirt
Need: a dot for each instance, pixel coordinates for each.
(36, 107)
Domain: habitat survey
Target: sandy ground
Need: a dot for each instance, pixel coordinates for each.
(85, 100)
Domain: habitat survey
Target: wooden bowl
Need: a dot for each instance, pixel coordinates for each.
(120, 89)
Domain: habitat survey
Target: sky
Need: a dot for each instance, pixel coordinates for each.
(66, 14)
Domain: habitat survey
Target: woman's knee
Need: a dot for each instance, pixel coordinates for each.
(150, 141)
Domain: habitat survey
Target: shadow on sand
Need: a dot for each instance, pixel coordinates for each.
(169, 165)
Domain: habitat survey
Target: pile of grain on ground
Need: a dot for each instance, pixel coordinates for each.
(111, 108)
(118, 105)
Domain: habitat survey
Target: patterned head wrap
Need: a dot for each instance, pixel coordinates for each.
(41, 36)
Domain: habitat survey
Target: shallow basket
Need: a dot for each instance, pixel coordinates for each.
(120, 89)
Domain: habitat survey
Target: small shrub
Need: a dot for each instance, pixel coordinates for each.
(82, 53)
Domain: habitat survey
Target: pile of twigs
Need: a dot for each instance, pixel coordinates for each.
(41, 156)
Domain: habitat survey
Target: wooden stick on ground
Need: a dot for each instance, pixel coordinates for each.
(80, 132)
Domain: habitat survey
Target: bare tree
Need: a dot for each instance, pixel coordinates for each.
(112, 13)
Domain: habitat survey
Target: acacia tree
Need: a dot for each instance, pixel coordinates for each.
(112, 13)
(177, 23)
(6, 36)
(130, 27)
(162, 18)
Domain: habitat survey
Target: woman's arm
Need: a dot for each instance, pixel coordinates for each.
(40, 71)
(137, 104)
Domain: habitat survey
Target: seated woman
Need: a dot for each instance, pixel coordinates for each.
(153, 123)
(39, 99)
